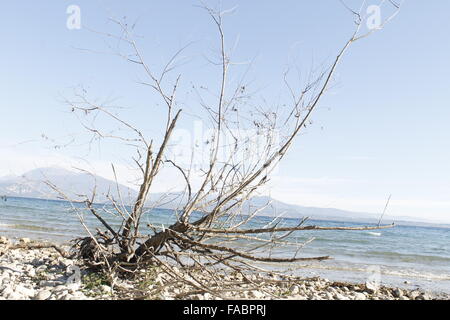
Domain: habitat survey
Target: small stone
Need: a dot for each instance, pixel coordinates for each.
(7, 291)
(26, 292)
(45, 283)
(398, 293)
(41, 268)
(75, 286)
(414, 294)
(15, 296)
(43, 295)
(62, 294)
(67, 297)
(371, 287)
(4, 240)
(31, 273)
(207, 296)
(360, 296)
(257, 294)
(328, 296)
(423, 296)
(105, 288)
(295, 289)
(60, 288)
(341, 297)
(24, 240)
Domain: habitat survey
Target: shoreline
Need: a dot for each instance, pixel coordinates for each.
(334, 270)
(354, 255)
(43, 274)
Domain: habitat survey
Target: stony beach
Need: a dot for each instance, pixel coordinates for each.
(43, 274)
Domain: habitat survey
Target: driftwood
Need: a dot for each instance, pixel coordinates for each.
(287, 229)
(220, 189)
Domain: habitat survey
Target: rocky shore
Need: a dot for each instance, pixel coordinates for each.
(43, 274)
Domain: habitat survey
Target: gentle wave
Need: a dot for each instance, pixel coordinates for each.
(384, 270)
(408, 257)
(5, 225)
(32, 227)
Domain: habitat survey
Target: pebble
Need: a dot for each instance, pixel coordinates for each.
(24, 291)
(423, 296)
(398, 293)
(360, 296)
(105, 289)
(43, 295)
(207, 296)
(371, 287)
(329, 296)
(257, 294)
(295, 290)
(414, 294)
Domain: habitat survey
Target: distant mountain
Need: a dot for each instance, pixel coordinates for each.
(294, 211)
(72, 183)
(272, 208)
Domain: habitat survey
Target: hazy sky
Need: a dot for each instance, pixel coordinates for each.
(382, 129)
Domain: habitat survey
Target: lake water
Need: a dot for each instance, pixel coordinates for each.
(416, 254)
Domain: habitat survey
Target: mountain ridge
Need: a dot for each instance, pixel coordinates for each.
(31, 185)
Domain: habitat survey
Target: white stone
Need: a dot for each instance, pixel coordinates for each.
(27, 292)
(43, 295)
(4, 240)
(105, 288)
(207, 296)
(414, 294)
(371, 287)
(257, 294)
(31, 273)
(15, 296)
(60, 288)
(295, 289)
(7, 291)
(328, 296)
(75, 286)
(360, 296)
(341, 297)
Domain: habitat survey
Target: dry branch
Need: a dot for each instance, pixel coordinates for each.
(223, 187)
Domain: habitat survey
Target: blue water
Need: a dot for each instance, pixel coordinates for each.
(417, 254)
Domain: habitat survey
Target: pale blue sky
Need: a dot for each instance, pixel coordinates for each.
(383, 129)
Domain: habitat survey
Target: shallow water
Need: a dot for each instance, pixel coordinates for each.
(417, 254)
